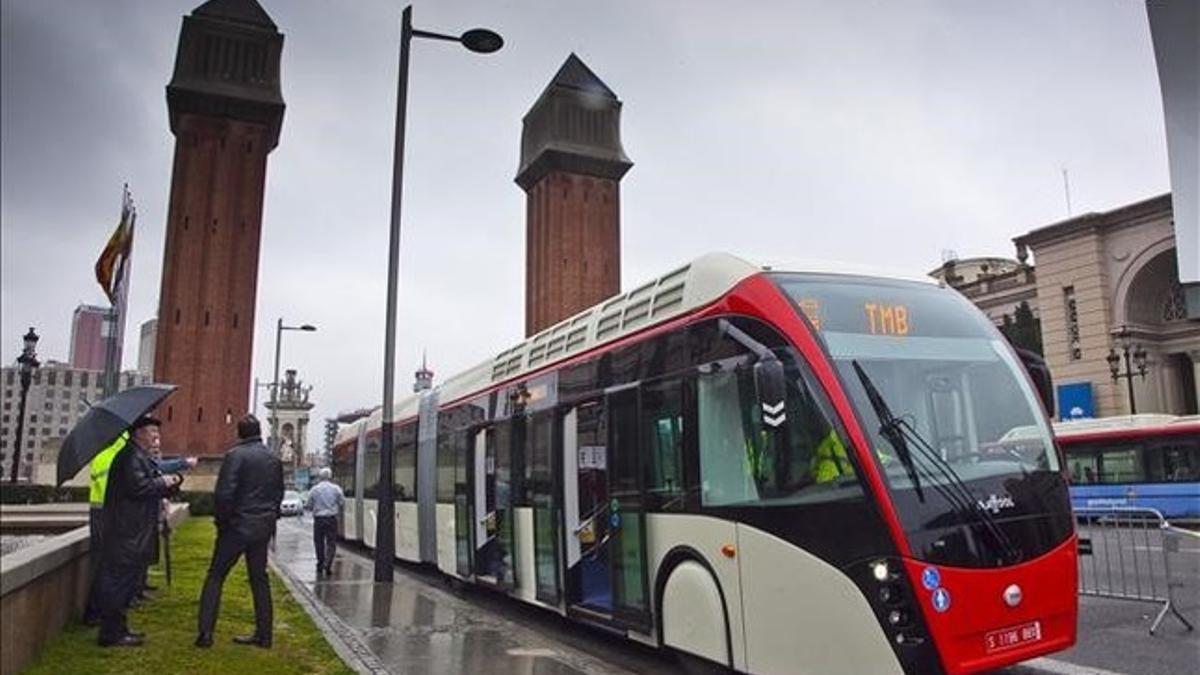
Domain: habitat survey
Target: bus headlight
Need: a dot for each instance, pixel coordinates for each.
(880, 570)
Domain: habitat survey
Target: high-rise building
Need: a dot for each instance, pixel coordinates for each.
(226, 109)
(91, 332)
(146, 345)
(572, 163)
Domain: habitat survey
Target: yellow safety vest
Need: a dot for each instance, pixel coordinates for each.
(830, 460)
(99, 469)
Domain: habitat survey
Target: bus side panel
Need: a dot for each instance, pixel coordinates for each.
(370, 511)
(446, 545)
(1174, 500)
(349, 522)
(526, 588)
(408, 537)
(802, 610)
(705, 535)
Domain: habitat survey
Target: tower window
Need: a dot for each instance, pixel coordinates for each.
(206, 317)
(176, 316)
(200, 414)
(235, 319)
(170, 412)
(249, 147)
(186, 220)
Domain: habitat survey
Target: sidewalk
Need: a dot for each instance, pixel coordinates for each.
(413, 626)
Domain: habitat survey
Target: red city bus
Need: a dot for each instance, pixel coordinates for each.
(774, 471)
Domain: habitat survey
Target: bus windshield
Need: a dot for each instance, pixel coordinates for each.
(939, 394)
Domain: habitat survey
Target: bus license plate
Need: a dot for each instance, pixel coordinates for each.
(1007, 638)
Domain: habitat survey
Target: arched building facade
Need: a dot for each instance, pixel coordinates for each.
(1103, 280)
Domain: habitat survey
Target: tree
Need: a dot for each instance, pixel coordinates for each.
(1023, 329)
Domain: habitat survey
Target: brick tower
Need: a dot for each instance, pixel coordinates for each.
(571, 166)
(226, 109)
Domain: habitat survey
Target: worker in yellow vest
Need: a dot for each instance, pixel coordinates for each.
(830, 462)
(98, 486)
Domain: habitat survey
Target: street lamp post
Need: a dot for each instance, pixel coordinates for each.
(279, 328)
(27, 362)
(1139, 360)
(258, 385)
(477, 40)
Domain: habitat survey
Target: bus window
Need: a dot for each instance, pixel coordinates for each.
(1084, 468)
(1122, 464)
(743, 461)
(662, 442)
(1180, 460)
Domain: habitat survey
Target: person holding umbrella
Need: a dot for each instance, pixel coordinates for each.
(102, 434)
(135, 488)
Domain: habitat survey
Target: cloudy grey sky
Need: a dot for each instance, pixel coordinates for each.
(878, 133)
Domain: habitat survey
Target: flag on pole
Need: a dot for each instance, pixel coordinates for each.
(113, 270)
(112, 266)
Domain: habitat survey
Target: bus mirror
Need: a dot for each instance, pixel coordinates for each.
(770, 384)
(1040, 374)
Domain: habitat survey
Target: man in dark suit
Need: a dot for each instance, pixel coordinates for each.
(131, 502)
(246, 501)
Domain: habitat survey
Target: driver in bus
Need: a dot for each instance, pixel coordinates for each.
(830, 462)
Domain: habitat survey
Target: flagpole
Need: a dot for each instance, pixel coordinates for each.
(118, 299)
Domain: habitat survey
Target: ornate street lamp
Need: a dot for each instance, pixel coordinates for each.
(27, 362)
(1139, 361)
(477, 40)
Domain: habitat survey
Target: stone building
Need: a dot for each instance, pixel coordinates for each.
(1098, 276)
(996, 285)
(58, 396)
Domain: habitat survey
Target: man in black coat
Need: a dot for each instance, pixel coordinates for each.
(246, 501)
(135, 488)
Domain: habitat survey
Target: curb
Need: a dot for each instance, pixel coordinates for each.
(345, 642)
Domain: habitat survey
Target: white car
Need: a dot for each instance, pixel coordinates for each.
(292, 504)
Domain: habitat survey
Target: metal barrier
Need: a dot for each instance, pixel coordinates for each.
(1125, 553)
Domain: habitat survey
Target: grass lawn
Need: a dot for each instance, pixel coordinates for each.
(169, 621)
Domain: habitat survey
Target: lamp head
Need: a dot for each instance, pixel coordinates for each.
(482, 40)
(31, 340)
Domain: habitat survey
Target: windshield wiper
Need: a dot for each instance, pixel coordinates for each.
(899, 433)
(890, 428)
(967, 502)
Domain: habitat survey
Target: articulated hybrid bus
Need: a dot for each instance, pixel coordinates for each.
(779, 472)
(1140, 460)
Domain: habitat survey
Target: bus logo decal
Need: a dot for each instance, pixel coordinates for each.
(774, 415)
(931, 578)
(995, 503)
(941, 600)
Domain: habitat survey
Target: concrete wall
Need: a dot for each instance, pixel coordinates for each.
(45, 585)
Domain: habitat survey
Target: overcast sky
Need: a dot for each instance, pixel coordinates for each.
(880, 133)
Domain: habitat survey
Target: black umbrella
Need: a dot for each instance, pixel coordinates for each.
(101, 425)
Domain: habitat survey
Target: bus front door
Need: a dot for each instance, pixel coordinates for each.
(493, 507)
(605, 539)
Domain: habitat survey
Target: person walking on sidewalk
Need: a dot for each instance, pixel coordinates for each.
(246, 501)
(131, 499)
(326, 501)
